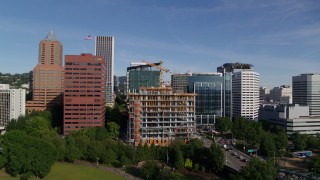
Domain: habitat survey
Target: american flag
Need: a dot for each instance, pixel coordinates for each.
(88, 37)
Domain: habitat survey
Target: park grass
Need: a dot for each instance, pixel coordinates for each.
(79, 172)
(71, 172)
(5, 176)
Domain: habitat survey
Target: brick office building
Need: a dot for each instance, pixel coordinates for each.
(84, 92)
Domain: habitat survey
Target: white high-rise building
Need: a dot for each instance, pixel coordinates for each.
(306, 91)
(245, 93)
(104, 46)
(12, 103)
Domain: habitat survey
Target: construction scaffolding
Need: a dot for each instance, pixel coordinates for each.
(158, 115)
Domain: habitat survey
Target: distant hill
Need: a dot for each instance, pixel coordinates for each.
(15, 80)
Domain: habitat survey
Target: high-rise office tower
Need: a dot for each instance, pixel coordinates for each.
(179, 82)
(47, 76)
(104, 46)
(306, 91)
(245, 89)
(84, 92)
(213, 93)
(142, 75)
(12, 103)
(245, 93)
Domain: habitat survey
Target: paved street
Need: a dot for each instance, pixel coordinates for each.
(231, 160)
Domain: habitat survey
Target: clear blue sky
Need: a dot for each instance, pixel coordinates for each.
(281, 38)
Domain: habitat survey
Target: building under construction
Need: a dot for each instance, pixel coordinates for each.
(142, 75)
(158, 115)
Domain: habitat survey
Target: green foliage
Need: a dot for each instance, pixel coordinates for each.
(179, 162)
(196, 167)
(188, 163)
(314, 164)
(267, 146)
(72, 151)
(250, 131)
(38, 126)
(223, 124)
(14, 80)
(203, 168)
(60, 146)
(176, 154)
(113, 129)
(257, 170)
(150, 170)
(26, 155)
(299, 141)
(193, 149)
(109, 157)
(281, 142)
(313, 142)
(17, 124)
(216, 157)
(239, 127)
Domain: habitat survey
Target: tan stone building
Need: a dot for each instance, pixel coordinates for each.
(47, 82)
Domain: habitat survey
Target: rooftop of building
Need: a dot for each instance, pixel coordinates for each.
(51, 37)
(237, 65)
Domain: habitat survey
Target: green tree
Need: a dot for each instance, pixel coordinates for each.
(60, 145)
(299, 141)
(179, 161)
(26, 155)
(314, 164)
(239, 128)
(267, 146)
(94, 151)
(109, 157)
(39, 126)
(216, 157)
(223, 124)
(193, 149)
(257, 170)
(113, 129)
(313, 142)
(72, 151)
(188, 163)
(150, 170)
(281, 142)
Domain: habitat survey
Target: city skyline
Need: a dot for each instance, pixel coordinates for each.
(280, 38)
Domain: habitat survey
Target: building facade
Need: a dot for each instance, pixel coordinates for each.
(12, 104)
(213, 93)
(104, 46)
(179, 82)
(282, 94)
(158, 115)
(47, 82)
(306, 91)
(245, 94)
(84, 92)
(293, 118)
(142, 75)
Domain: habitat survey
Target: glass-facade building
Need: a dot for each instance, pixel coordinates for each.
(142, 75)
(213, 93)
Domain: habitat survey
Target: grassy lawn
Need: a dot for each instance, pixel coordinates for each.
(78, 172)
(5, 176)
(71, 171)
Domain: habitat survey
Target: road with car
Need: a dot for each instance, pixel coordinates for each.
(234, 158)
